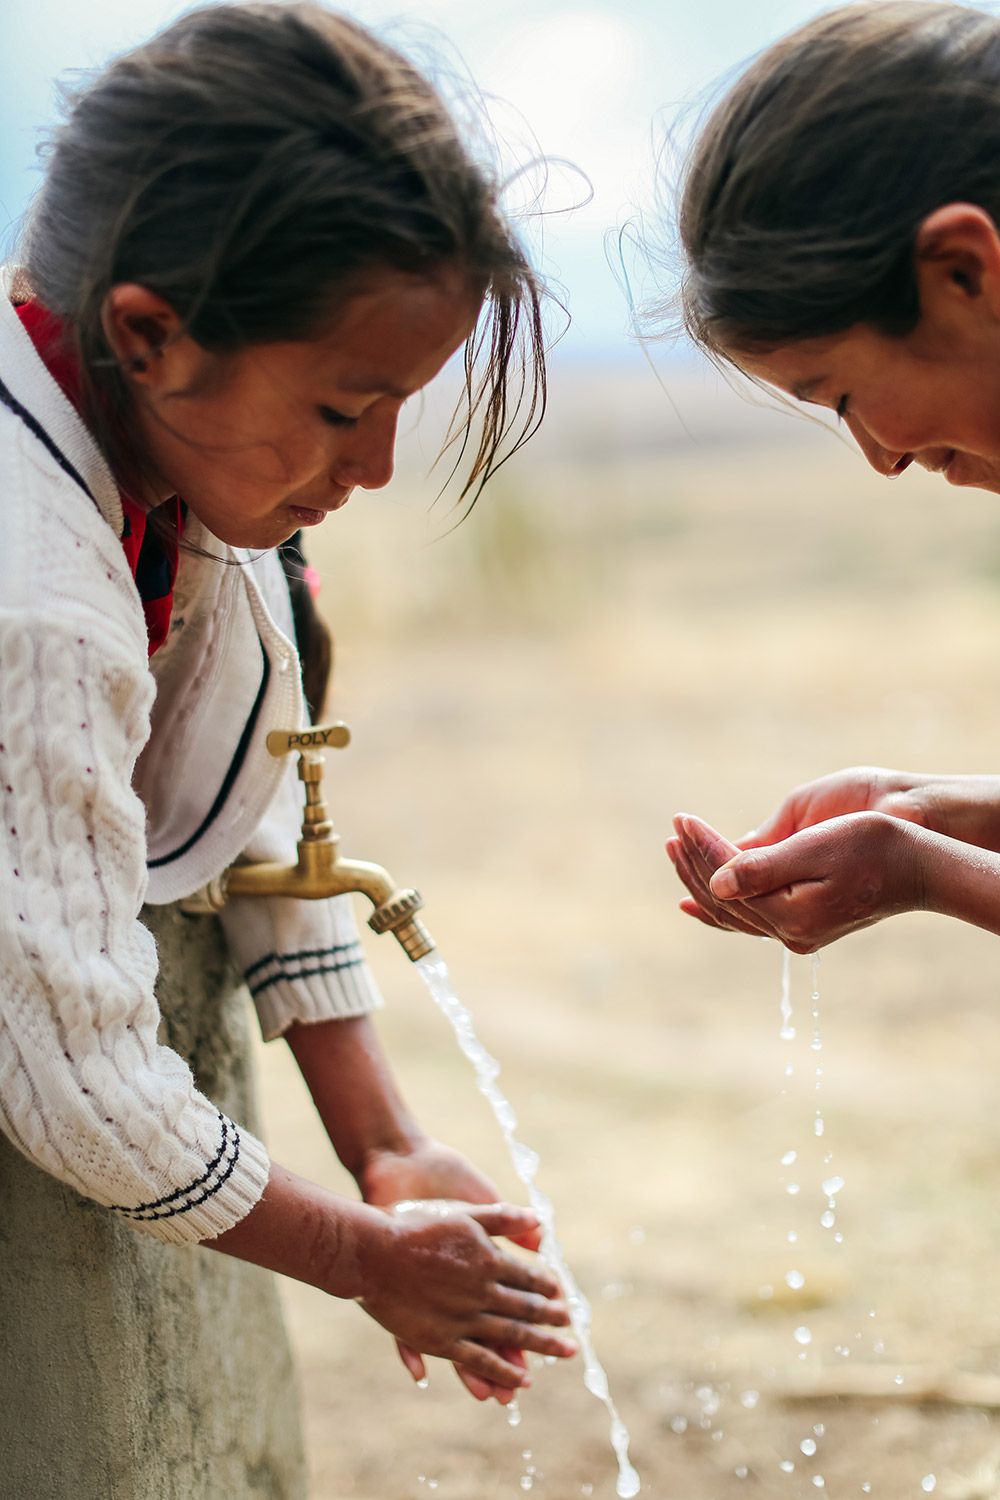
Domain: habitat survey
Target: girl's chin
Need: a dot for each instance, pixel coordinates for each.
(974, 473)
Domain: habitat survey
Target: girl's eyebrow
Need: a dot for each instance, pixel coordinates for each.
(803, 390)
(372, 385)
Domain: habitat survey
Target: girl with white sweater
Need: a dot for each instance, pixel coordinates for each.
(257, 236)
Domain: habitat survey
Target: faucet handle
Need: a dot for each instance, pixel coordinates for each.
(314, 737)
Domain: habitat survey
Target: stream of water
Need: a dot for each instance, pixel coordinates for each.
(435, 975)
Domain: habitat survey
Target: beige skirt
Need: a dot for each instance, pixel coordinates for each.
(131, 1370)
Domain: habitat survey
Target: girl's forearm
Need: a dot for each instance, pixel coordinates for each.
(966, 808)
(959, 880)
(352, 1087)
(306, 1232)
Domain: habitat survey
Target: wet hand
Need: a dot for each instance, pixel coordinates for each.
(437, 1281)
(433, 1170)
(807, 890)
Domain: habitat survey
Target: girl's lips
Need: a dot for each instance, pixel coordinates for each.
(900, 466)
(307, 515)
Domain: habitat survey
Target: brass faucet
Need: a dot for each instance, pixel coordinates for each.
(319, 871)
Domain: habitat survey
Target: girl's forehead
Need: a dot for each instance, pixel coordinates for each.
(804, 367)
(388, 337)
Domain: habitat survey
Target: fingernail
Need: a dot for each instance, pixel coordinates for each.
(724, 884)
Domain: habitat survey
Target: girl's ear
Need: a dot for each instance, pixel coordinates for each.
(958, 263)
(143, 332)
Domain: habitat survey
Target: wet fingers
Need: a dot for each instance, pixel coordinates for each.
(527, 1307)
(501, 1332)
(489, 1364)
(527, 1278)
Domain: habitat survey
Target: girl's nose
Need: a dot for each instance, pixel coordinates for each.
(367, 459)
(883, 460)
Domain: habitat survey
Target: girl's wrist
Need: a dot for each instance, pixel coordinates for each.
(363, 1239)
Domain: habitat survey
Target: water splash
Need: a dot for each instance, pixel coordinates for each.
(435, 975)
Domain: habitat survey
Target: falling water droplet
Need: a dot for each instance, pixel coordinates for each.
(786, 1466)
(423, 1383)
(819, 1429)
(792, 1189)
(795, 1280)
(513, 1413)
(802, 1336)
(792, 1236)
(749, 1399)
(788, 1158)
(679, 1425)
(741, 1472)
(787, 1029)
(928, 1483)
(818, 1126)
(828, 1219)
(526, 1481)
(808, 1447)
(819, 1481)
(832, 1186)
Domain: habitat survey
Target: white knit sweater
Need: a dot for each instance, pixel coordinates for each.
(123, 781)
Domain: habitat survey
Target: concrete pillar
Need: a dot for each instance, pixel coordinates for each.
(131, 1370)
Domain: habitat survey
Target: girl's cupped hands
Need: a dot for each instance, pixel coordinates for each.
(812, 886)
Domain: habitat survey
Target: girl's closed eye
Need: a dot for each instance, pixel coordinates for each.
(335, 418)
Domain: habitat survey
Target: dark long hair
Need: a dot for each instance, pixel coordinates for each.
(247, 165)
(803, 196)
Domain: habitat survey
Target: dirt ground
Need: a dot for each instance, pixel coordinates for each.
(614, 635)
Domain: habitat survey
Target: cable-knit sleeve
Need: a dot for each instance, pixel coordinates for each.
(86, 1092)
(302, 960)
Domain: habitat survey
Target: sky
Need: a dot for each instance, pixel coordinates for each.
(594, 84)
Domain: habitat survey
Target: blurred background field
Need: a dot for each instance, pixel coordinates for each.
(635, 621)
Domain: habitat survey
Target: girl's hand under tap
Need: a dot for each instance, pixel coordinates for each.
(433, 1170)
(440, 1284)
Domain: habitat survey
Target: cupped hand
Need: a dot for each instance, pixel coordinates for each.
(436, 1280)
(807, 890)
(433, 1170)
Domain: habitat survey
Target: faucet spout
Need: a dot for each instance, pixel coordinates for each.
(319, 871)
